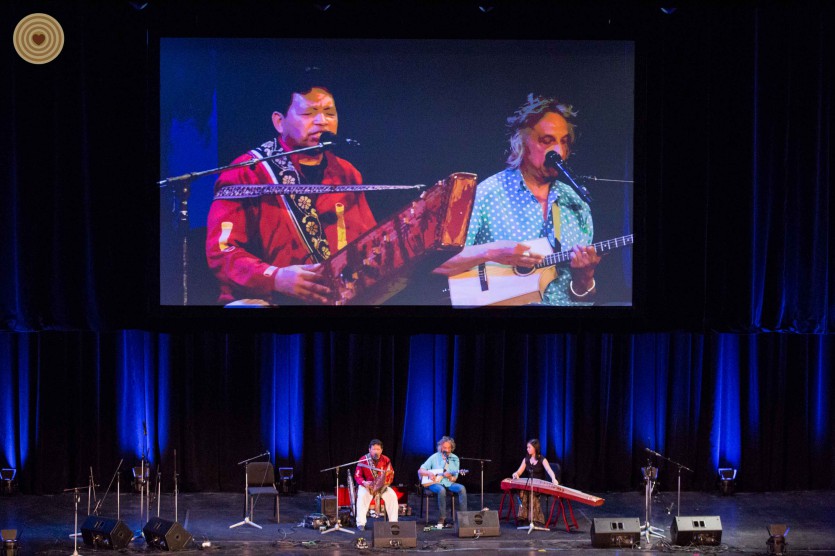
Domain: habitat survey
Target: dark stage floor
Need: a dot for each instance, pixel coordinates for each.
(45, 522)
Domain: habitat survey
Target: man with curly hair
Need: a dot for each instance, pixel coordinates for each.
(269, 248)
(527, 201)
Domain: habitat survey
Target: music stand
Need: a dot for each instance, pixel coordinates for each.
(247, 520)
(531, 526)
(338, 526)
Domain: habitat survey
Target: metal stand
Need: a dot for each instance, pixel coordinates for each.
(247, 510)
(100, 503)
(176, 486)
(481, 462)
(679, 467)
(531, 526)
(90, 488)
(650, 476)
(77, 498)
(338, 526)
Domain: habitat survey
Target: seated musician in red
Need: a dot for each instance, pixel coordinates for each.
(270, 247)
(536, 467)
(373, 476)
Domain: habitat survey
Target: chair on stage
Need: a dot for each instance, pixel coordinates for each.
(260, 481)
(424, 504)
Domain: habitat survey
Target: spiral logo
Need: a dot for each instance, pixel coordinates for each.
(38, 38)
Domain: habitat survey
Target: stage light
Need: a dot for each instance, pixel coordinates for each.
(10, 544)
(777, 538)
(9, 484)
(727, 480)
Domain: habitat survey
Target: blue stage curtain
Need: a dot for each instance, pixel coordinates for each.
(760, 403)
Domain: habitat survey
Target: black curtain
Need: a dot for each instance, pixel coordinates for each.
(726, 361)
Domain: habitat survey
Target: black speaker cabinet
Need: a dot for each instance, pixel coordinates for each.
(398, 534)
(614, 532)
(162, 534)
(105, 532)
(703, 530)
(478, 524)
(328, 507)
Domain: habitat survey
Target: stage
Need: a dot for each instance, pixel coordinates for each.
(44, 524)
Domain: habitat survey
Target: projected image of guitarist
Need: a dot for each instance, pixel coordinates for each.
(439, 474)
(527, 220)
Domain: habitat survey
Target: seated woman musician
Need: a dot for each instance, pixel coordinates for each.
(536, 467)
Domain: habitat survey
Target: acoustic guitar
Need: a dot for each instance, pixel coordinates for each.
(499, 284)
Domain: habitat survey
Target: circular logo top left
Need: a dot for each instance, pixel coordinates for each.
(38, 38)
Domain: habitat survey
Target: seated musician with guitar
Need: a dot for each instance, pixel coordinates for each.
(373, 476)
(439, 474)
(534, 466)
(268, 248)
(520, 205)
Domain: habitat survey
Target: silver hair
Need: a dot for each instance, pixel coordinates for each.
(527, 116)
(447, 439)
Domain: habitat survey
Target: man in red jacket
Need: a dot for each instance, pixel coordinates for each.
(270, 247)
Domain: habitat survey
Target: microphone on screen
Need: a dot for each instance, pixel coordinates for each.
(555, 161)
(328, 140)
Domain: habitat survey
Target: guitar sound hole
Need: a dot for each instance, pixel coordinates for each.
(523, 270)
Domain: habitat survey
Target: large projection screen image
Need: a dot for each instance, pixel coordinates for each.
(449, 173)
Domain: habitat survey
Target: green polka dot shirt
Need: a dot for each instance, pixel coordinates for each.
(505, 209)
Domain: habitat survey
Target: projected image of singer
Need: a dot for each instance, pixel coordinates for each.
(373, 476)
(269, 248)
(525, 212)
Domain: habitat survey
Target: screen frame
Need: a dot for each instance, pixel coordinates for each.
(416, 319)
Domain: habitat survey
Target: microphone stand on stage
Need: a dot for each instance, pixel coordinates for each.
(77, 498)
(531, 526)
(650, 474)
(91, 488)
(338, 526)
(679, 467)
(246, 520)
(481, 461)
(100, 503)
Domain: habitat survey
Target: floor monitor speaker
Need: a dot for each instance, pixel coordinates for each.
(478, 524)
(105, 532)
(395, 534)
(704, 530)
(162, 534)
(615, 532)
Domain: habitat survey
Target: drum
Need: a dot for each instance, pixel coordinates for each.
(343, 496)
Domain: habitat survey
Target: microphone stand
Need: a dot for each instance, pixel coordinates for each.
(338, 526)
(679, 467)
(481, 462)
(531, 526)
(650, 475)
(247, 520)
(90, 488)
(77, 498)
(554, 160)
(176, 486)
(100, 503)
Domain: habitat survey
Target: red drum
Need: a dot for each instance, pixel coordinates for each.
(343, 497)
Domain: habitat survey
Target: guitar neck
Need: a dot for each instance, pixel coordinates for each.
(600, 247)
